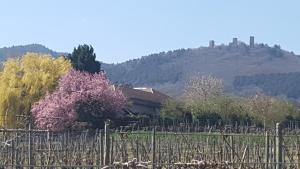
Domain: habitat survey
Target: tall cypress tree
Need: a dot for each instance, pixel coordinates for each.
(83, 58)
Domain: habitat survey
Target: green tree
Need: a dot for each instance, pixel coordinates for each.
(271, 109)
(173, 110)
(225, 109)
(83, 58)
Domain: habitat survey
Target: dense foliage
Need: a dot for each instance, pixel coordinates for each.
(173, 109)
(24, 81)
(80, 96)
(273, 84)
(258, 109)
(206, 102)
(83, 58)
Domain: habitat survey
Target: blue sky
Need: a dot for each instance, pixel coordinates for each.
(125, 29)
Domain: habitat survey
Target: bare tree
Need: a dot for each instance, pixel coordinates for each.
(261, 103)
(203, 88)
(271, 109)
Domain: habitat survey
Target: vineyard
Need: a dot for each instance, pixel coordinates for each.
(150, 148)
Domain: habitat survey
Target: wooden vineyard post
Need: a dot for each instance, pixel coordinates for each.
(49, 146)
(232, 149)
(169, 154)
(112, 150)
(153, 149)
(278, 143)
(267, 147)
(101, 148)
(30, 155)
(13, 149)
(274, 150)
(298, 153)
(106, 143)
(16, 150)
(159, 152)
(137, 150)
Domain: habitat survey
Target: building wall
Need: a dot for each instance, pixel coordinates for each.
(144, 107)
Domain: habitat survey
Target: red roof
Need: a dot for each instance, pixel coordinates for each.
(147, 95)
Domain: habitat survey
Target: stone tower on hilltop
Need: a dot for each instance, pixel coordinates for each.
(251, 43)
(235, 41)
(211, 43)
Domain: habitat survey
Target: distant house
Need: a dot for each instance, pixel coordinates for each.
(143, 101)
(140, 101)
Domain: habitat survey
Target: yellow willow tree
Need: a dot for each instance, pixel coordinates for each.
(23, 82)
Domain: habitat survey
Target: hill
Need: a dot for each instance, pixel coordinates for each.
(277, 84)
(16, 51)
(168, 71)
(243, 68)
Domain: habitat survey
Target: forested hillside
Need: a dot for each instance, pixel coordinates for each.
(169, 71)
(277, 84)
(16, 51)
(242, 68)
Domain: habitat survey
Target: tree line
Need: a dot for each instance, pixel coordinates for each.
(204, 99)
(57, 93)
(276, 84)
(72, 92)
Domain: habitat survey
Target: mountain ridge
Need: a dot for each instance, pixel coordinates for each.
(19, 50)
(168, 71)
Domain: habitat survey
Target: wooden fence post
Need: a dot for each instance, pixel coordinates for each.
(112, 150)
(267, 147)
(49, 144)
(16, 150)
(30, 155)
(232, 149)
(278, 143)
(273, 152)
(107, 144)
(101, 149)
(153, 149)
(137, 150)
(298, 153)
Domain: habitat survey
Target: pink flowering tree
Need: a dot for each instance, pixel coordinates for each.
(80, 96)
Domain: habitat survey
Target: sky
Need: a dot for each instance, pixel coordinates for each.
(120, 30)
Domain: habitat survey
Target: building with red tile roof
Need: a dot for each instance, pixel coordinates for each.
(143, 101)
